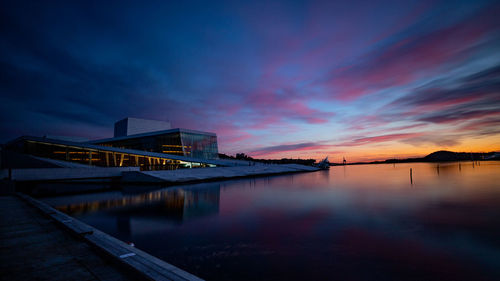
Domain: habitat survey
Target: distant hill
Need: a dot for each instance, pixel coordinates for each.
(437, 156)
(442, 156)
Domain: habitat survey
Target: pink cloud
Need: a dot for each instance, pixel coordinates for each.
(481, 124)
(270, 108)
(405, 60)
(288, 147)
(366, 121)
(379, 139)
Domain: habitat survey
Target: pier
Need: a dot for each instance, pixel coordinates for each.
(40, 243)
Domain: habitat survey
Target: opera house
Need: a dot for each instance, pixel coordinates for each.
(148, 144)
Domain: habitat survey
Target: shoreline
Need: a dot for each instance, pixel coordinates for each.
(138, 181)
(410, 161)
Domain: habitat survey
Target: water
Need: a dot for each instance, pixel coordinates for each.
(366, 222)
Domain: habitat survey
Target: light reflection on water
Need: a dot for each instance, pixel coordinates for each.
(361, 222)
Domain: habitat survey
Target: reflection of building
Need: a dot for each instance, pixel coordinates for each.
(201, 202)
(172, 204)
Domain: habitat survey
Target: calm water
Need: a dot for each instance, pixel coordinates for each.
(366, 222)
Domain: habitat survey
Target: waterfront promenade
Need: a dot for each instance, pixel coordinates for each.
(182, 176)
(32, 247)
(38, 242)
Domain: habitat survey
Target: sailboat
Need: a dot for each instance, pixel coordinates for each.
(324, 164)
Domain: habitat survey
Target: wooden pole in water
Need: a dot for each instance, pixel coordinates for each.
(411, 176)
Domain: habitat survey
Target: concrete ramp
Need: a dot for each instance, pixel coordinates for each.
(218, 173)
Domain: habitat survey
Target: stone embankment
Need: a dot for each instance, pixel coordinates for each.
(212, 174)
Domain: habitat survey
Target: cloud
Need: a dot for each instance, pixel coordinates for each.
(288, 147)
(478, 125)
(453, 101)
(484, 84)
(455, 115)
(378, 139)
(434, 139)
(407, 59)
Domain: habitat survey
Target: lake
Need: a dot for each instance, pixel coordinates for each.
(359, 222)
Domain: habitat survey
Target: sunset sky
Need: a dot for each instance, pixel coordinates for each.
(367, 80)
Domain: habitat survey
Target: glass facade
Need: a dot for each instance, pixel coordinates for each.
(176, 142)
(199, 146)
(99, 157)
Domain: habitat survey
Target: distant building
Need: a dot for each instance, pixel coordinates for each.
(133, 126)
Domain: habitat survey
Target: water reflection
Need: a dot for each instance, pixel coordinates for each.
(177, 204)
(353, 222)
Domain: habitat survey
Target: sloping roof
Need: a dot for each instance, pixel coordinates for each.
(149, 134)
(89, 146)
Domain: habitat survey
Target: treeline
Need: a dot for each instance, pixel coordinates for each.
(243, 156)
(442, 156)
(461, 156)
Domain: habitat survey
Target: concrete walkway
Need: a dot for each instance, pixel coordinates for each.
(32, 247)
(219, 173)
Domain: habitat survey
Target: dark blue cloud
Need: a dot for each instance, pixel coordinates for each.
(473, 96)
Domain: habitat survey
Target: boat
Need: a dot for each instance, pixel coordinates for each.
(324, 164)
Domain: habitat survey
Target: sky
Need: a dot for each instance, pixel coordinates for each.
(364, 80)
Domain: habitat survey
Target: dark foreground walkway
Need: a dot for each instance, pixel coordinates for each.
(32, 247)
